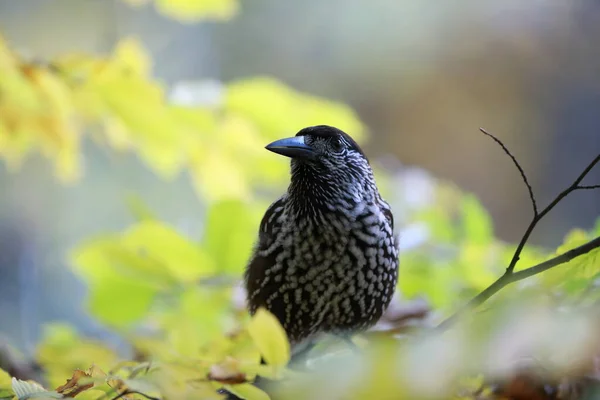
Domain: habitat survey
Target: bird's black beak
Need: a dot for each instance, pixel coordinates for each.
(293, 147)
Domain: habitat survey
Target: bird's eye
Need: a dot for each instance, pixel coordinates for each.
(337, 145)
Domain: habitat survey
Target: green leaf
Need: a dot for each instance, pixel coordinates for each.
(6, 391)
(477, 223)
(139, 209)
(119, 301)
(198, 318)
(247, 391)
(270, 338)
(106, 256)
(596, 229)
(121, 284)
(31, 390)
(280, 111)
(91, 394)
(475, 261)
(230, 233)
(439, 222)
(437, 281)
(574, 238)
(577, 274)
(194, 10)
(181, 258)
(218, 175)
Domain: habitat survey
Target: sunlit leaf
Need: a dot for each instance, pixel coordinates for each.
(104, 257)
(269, 336)
(91, 394)
(439, 222)
(182, 258)
(62, 350)
(247, 391)
(199, 317)
(477, 223)
(578, 274)
(6, 391)
(476, 261)
(130, 55)
(229, 234)
(193, 10)
(279, 111)
(119, 301)
(437, 281)
(139, 209)
(217, 176)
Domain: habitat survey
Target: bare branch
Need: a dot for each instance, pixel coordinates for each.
(510, 277)
(537, 218)
(558, 260)
(521, 171)
(588, 187)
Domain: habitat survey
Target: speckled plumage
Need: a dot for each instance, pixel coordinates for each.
(326, 260)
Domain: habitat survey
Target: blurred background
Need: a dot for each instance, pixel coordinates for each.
(423, 78)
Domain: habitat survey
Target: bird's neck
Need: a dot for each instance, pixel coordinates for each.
(313, 192)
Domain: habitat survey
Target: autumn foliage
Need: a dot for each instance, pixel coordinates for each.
(175, 299)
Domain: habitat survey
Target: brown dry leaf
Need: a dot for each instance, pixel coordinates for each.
(120, 387)
(227, 373)
(73, 387)
(526, 386)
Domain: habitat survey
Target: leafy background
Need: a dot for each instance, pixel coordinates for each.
(150, 300)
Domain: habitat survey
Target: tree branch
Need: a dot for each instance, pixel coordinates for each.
(511, 277)
(521, 171)
(538, 216)
(588, 187)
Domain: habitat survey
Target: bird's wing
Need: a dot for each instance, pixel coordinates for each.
(387, 212)
(258, 285)
(270, 223)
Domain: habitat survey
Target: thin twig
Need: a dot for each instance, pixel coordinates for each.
(521, 171)
(509, 278)
(588, 187)
(538, 217)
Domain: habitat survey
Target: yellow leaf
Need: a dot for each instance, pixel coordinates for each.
(574, 238)
(474, 260)
(183, 259)
(477, 223)
(230, 225)
(194, 10)
(130, 55)
(120, 301)
(91, 394)
(247, 391)
(102, 258)
(198, 319)
(4, 378)
(270, 338)
(117, 134)
(218, 176)
(5, 385)
(279, 111)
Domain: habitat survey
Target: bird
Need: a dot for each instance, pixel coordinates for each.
(327, 257)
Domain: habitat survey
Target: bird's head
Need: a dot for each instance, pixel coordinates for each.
(322, 148)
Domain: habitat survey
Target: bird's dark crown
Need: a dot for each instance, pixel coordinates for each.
(326, 131)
